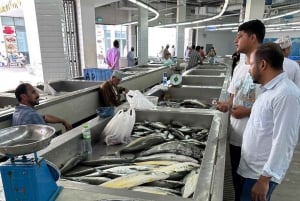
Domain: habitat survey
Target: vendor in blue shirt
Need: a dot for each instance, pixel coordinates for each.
(25, 114)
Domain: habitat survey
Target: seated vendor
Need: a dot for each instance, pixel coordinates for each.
(25, 114)
(110, 92)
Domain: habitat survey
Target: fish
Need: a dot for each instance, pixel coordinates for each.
(92, 170)
(157, 125)
(166, 183)
(177, 133)
(176, 147)
(167, 156)
(190, 181)
(156, 163)
(135, 179)
(124, 170)
(194, 103)
(176, 124)
(178, 167)
(71, 163)
(109, 160)
(89, 180)
(155, 190)
(142, 143)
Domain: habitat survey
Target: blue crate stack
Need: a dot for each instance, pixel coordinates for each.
(97, 74)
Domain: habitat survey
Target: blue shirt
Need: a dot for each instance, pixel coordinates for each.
(24, 115)
(272, 131)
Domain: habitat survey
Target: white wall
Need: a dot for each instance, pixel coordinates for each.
(221, 40)
(292, 34)
(111, 15)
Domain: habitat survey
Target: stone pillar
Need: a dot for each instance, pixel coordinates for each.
(143, 36)
(181, 12)
(87, 33)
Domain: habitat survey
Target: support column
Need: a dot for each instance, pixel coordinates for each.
(181, 13)
(49, 19)
(87, 33)
(143, 36)
(254, 9)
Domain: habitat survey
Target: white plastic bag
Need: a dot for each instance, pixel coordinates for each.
(137, 100)
(119, 128)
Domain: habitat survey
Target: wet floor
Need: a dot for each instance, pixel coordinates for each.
(11, 77)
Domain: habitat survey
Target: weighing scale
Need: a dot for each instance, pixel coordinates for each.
(176, 77)
(28, 177)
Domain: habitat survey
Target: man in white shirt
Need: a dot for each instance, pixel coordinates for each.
(289, 66)
(272, 130)
(243, 93)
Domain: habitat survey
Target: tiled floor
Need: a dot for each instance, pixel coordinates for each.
(11, 77)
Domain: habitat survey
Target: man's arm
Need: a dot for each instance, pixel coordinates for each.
(53, 119)
(225, 106)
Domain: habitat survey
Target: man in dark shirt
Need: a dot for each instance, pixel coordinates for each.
(110, 91)
(195, 58)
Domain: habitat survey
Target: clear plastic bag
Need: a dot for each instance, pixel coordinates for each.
(119, 128)
(138, 100)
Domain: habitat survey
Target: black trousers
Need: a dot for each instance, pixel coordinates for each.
(235, 156)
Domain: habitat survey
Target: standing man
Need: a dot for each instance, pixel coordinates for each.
(24, 113)
(110, 91)
(242, 94)
(195, 58)
(166, 53)
(113, 56)
(289, 66)
(130, 57)
(271, 133)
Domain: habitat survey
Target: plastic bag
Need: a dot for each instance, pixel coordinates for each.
(138, 100)
(119, 128)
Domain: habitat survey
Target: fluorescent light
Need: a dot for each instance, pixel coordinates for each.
(199, 21)
(146, 6)
(279, 16)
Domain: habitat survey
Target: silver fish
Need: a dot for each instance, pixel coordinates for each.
(190, 181)
(109, 160)
(89, 180)
(124, 170)
(167, 156)
(153, 190)
(176, 147)
(71, 163)
(135, 179)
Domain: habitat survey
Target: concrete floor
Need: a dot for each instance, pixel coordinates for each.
(13, 76)
(288, 190)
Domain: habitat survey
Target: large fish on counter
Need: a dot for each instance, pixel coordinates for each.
(176, 147)
(135, 179)
(190, 181)
(167, 156)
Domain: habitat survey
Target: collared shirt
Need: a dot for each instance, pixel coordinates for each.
(245, 92)
(24, 115)
(112, 58)
(195, 59)
(272, 131)
(293, 70)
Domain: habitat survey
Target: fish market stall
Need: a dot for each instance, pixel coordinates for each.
(65, 147)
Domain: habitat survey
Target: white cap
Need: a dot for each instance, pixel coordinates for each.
(117, 74)
(284, 42)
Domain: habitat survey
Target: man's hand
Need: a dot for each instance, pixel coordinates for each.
(67, 125)
(260, 189)
(222, 106)
(239, 112)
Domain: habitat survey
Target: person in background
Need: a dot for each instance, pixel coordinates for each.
(172, 51)
(25, 114)
(110, 91)
(242, 95)
(130, 57)
(202, 53)
(195, 58)
(272, 130)
(161, 53)
(166, 53)
(235, 59)
(113, 56)
(187, 52)
(211, 55)
(291, 67)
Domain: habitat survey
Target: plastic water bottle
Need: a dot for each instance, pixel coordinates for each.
(86, 142)
(165, 79)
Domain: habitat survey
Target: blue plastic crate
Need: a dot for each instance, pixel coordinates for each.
(97, 74)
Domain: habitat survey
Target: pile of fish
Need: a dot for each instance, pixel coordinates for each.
(161, 159)
(187, 103)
